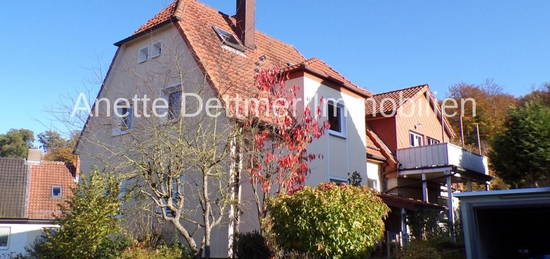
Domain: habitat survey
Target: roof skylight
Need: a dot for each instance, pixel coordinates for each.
(228, 39)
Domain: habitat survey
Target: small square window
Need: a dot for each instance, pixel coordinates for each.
(57, 192)
(4, 237)
(156, 49)
(336, 118)
(143, 54)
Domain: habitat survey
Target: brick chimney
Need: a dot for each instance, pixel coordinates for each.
(246, 22)
(35, 156)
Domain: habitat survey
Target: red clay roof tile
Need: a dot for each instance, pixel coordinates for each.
(323, 70)
(230, 72)
(377, 106)
(43, 177)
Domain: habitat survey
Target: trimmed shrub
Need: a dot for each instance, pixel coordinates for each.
(251, 246)
(328, 221)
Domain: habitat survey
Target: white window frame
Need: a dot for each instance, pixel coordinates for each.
(376, 185)
(432, 141)
(143, 56)
(342, 115)
(413, 136)
(118, 127)
(60, 192)
(8, 240)
(153, 48)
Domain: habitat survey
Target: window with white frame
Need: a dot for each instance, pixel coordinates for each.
(416, 139)
(173, 96)
(432, 141)
(143, 54)
(336, 118)
(156, 49)
(125, 117)
(4, 237)
(57, 192)
(372, 183)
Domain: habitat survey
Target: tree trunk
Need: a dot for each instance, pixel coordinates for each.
(190, 241)
(206, 215)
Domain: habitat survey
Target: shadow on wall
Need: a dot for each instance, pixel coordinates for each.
(343, 153)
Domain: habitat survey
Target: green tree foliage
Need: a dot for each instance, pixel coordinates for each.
(89, 223)
(51, 140)
(16, 143)
(521, 153)
(328, 221)
(423, 223)
(540, 95)
(58, 148)
(488, 110)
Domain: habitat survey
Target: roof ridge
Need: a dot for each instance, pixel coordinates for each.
(334, 70)
(402, 89)
(13, 158)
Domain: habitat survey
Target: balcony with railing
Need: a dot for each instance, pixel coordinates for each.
(440, 156)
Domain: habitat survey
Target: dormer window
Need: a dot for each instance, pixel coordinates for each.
(228, 39)
(57, 192)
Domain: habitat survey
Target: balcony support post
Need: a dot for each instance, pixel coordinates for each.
(424, 188)
(469, 185)
(451, 215)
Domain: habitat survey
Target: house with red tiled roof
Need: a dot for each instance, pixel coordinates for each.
(410, 124)
(31, 191)
(189, 47)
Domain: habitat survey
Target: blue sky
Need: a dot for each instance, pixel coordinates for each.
(50, 48)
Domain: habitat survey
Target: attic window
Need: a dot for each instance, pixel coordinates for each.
(56, 192)
(228, 39)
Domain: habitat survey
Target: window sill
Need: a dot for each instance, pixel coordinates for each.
(337, 134)
(120, 133)
(153, 57)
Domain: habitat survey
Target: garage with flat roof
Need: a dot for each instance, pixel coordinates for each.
(506, 223)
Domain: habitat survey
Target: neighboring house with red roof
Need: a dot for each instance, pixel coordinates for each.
(220, 55)
(30, 193)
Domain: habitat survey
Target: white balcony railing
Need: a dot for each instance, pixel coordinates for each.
(444, 154)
